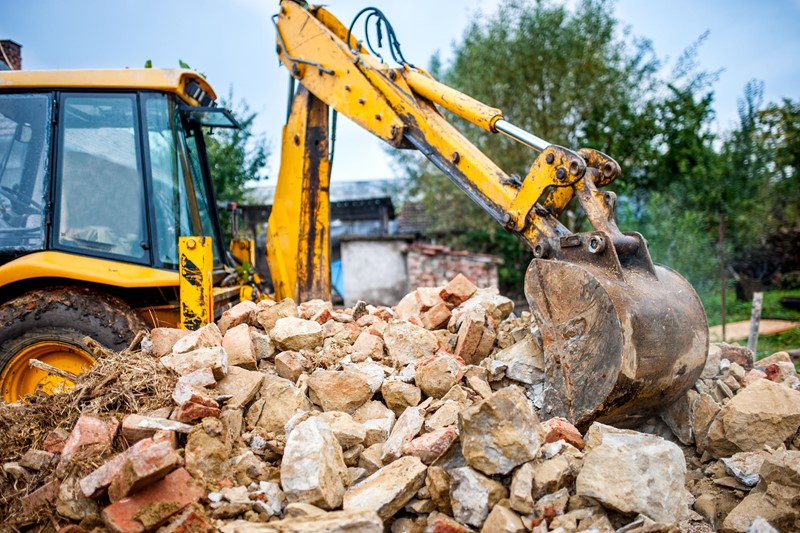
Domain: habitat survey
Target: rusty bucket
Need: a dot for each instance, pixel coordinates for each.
(622, 337)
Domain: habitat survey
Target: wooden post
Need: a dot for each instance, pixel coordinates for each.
(755, 320)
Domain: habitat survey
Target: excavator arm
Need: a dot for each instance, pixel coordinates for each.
(622, 336)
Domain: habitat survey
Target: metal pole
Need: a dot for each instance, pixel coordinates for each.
(755, 320)
(521, 135)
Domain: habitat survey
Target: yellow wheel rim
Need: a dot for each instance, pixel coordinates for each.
(18, 380)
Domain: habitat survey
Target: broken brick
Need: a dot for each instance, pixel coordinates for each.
(151, 507)
(42, 497)
(90, 436)
(55, 440)
(192, 412)
(436, 317)
(97, 482)
(458, 290)
(141, 469)
(138, 427)
(242, 313)
(37, 459)
(560, 429)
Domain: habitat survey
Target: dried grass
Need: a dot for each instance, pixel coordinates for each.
(119, 384)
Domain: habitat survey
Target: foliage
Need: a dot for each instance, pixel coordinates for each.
(566, 76)
(574, 78)
(236, 156)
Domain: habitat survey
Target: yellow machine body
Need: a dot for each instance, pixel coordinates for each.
(136, 287)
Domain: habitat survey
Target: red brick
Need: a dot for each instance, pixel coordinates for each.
(436, 317)
(151, 507)
(55, 440)
(430, 446)
(91, 435)
(142, 469)
(470, 335)
(242, 313)
(384, 314)
(324, 315)
(416, 321)
(458, 290)
(441, 523)
(560, 429)
(427, 297)
(44, 496)
(191, 412)
(772, 371)
(95, 484)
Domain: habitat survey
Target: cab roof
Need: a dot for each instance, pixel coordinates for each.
(170, 80)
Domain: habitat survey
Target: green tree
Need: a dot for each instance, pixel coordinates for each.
(236, 156)
(780, 134)
(566, 76)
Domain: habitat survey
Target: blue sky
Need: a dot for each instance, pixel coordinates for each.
(233, 44)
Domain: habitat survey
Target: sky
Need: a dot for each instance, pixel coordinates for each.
(232, 43)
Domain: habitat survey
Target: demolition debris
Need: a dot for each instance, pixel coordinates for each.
(427, 417)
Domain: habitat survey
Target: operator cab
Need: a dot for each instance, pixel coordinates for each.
(113, 168)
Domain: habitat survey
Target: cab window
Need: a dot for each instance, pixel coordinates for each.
(24, 159)
(101, 187)
(171, 206)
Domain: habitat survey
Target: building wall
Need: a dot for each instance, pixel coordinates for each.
(11, 54)
(434, 266)
(374, 271)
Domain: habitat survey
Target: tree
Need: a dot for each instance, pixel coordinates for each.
(565, 76)
(236, 156)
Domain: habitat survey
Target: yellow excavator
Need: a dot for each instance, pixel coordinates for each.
(622, 336)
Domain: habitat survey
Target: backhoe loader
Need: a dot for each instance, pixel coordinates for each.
(622, 337)
(101, 172)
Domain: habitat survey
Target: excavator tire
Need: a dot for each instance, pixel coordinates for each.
(50, 325)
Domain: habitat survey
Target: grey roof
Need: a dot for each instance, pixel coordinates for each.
(340, 191)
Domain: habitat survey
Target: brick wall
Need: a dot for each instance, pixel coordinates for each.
(433, 266)
(13, 52)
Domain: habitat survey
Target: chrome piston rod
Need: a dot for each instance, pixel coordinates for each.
(521, 135)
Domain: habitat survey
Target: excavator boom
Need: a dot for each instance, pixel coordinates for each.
(622, 336)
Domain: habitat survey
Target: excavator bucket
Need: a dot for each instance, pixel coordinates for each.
(620, 342)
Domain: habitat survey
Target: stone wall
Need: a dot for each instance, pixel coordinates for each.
(433, 266)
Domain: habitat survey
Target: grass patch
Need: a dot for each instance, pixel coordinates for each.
(737, 310)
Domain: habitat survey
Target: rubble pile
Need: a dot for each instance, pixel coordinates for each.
(421, 418)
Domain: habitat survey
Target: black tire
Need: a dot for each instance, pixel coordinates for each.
(66, 314)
